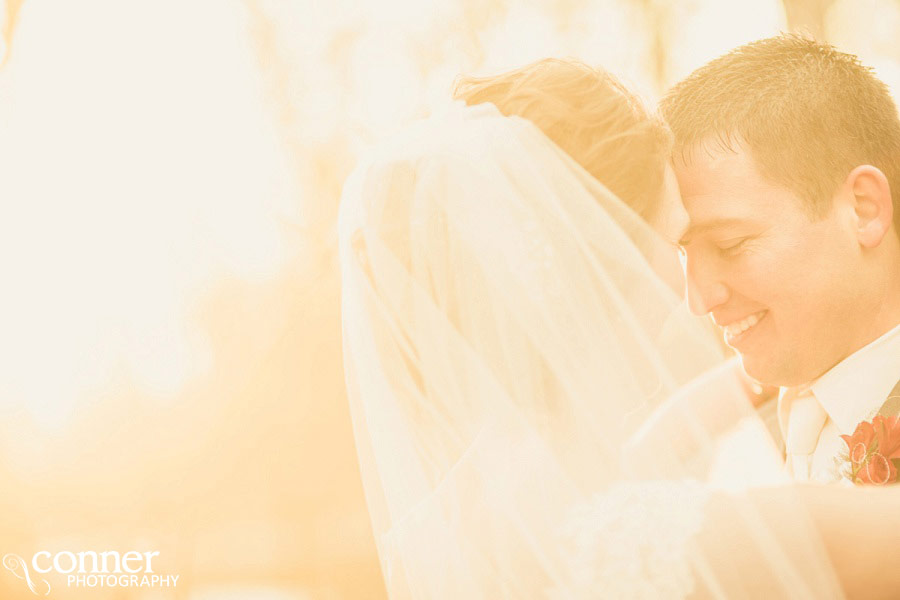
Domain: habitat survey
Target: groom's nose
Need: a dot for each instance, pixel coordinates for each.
(705, 292)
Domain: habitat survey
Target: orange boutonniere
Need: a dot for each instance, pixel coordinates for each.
(873, 451)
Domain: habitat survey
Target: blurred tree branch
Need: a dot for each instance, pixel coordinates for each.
(807, 16)
(10, 16)
(658, 18)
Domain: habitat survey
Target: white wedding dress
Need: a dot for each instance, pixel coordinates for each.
(506, 340)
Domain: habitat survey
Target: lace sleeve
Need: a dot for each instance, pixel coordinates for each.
(630, 541)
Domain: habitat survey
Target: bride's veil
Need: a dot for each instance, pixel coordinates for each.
(505, 340)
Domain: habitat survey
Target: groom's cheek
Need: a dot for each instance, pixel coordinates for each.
(692, 292)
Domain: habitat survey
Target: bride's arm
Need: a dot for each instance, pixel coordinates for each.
(697, 413)
(859, 532)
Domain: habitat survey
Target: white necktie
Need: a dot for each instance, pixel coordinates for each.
(805, 421)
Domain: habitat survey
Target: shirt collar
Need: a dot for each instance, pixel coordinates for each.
(855, 388)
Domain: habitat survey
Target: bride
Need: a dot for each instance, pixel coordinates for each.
(536, 412)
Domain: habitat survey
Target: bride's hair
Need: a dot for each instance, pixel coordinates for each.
(593, 117)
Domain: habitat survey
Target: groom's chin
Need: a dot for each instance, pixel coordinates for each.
(767, 371)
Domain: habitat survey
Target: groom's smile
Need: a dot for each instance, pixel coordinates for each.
(739, 330)
(777, 279)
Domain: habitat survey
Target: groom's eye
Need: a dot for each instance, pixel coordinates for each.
(731, 248)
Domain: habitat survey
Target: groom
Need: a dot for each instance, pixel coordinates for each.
(787, 153)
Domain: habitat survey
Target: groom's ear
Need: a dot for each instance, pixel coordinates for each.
(872, 204)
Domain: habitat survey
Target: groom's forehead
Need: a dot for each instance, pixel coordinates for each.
(725, 184)
(715, 169)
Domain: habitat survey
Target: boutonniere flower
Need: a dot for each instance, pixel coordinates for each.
(873, 451)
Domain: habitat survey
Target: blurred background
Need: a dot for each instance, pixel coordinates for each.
(170, 171)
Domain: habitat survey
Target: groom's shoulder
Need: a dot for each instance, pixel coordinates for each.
(891, 406)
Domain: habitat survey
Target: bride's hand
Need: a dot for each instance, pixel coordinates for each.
(696, 414)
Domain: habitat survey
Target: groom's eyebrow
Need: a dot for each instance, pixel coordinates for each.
(703, 227)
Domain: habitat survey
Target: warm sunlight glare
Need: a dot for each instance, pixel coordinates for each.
(139, 166)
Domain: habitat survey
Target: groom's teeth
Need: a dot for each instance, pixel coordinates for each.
(735, 329)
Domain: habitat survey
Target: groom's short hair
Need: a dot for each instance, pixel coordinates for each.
(808, 114)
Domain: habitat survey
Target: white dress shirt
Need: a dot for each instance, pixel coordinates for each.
(852, 391)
